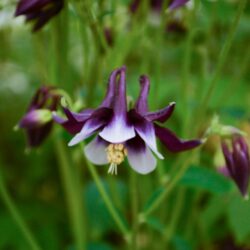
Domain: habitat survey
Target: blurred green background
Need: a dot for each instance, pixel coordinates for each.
(179, 52)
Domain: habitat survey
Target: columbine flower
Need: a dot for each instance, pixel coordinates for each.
(122, 134)
(38, 121)
(39, 11)
(237, 163)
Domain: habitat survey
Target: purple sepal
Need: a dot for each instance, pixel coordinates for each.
(172, 142)
(238, 162)
(36, 136)
(161, 115)
(39, 11)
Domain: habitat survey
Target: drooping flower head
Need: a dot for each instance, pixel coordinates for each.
(237, 162)
(39, 11)
(121, 134)
(38, 122)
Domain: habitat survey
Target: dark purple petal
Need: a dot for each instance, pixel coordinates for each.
(172, 142)
(111, 91)
(238, 163)
(140, 157)
(120, 100)
(70, 125)
(47, 13)
(177, 3)
(145, 130)
(241, 164)
(228, 158)
(75, 121)
(118, 129)
(27, 6)
(79, 117)
(161, 115)
(97, 120)
(141, 105)
(39, 11)
(95, 151)
(36, 136)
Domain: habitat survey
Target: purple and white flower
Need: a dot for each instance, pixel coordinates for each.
(38, 121)
(237, 163)
(120, 133)
(39, 11)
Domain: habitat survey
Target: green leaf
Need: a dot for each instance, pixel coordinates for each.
(155, 224)
(100, 218)
(239, 218)
(181, 244)
(206, 179)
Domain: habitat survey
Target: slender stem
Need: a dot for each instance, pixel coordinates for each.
(112, 210)
(232, 86)
(170, 228)
(168, 188)
(222, 58)
(72, 188)
(17, 216)
(69, 175)
(134, 208)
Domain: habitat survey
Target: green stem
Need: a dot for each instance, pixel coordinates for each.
(112, 210)
(222, 58)
(17, 217)
(134, 208)
(168, 188)
(232, 86)
(69, 175)
(170, 228)
(72, 188)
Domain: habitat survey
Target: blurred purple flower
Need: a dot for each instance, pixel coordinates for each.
(121, 133)
(237, 163)
(174, 4)
(38, 121)
(39, 11)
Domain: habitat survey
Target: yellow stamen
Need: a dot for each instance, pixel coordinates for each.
(116, 154)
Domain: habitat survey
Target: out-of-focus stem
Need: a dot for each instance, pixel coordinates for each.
(8, 202)
(168, 188)
(70, 177)
(170, 228)
(232, 86)
(134, 208)
(73, 191)
(221, 61)
(112, 210)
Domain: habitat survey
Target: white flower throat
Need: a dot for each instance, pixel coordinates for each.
(116, 154)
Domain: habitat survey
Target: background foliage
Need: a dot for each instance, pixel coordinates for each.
(204, 210)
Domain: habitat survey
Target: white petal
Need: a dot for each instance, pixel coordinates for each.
(95, 151)
(142, 161)
(117, 131)
(148, 135)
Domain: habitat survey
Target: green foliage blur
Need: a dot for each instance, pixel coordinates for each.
(179, 51)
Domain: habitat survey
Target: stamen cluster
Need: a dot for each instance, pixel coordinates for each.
(116, 153)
